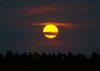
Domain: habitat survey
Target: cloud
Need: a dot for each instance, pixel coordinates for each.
(69, 25)
(68, 12)
(86, 9)
(39, 10)
(55, 8)
(47, 43)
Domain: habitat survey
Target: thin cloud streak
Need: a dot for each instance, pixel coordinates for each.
(54, 8)
(67, 25)
(47, 43)
(39, 10)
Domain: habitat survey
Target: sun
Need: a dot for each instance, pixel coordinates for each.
(50, 31)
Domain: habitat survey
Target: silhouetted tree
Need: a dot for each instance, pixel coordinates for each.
(50, 62)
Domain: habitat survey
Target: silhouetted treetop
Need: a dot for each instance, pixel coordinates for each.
(50, 62)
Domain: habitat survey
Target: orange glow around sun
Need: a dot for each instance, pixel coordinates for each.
(50, 31)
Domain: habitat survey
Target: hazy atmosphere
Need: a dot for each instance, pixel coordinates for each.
(22, 23)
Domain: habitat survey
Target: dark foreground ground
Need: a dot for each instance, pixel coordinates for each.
(49, 62)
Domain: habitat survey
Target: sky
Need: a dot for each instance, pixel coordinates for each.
(22, 23)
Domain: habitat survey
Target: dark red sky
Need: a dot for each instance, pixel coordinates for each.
(21, 25)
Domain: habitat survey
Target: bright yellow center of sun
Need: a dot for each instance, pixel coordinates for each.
(50, 31)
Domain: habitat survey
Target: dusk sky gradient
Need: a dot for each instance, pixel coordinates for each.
(22, 22)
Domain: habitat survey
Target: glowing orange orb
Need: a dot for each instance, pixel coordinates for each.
(50, 31)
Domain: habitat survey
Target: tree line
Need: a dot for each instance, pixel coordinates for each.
(49, 62)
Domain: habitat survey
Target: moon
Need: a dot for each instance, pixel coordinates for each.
(50, 31)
